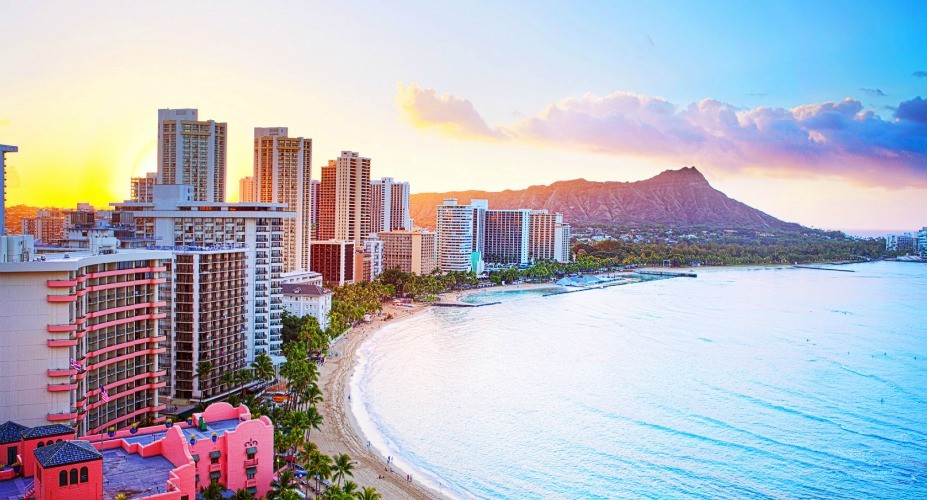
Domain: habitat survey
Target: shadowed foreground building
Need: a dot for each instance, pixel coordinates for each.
(222, 445)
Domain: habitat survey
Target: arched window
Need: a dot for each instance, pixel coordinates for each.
(57, 440)
(41, 444)
(73, 476)
(63, 478)
(49, 442)
(84, 474)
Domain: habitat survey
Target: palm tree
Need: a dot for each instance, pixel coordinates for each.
(284, 482)
(349, 488)
(243, 494)
(319, 466)
(203, 369)
(342, 468)
(263, 368)
(212, 492)
(312, 395)
(313, 419)
(368, 493)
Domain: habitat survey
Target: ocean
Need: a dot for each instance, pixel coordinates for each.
(741, 383)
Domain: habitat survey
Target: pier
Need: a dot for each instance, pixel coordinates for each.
(824, 268)
(669, 274)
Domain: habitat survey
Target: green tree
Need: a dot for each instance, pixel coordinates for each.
(284, 482)
(342, 468)
(368, 493)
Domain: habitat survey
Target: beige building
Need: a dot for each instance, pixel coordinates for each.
(80, 337)
(282, 174)
(411, 251)
(246, 189)
(192, 152)
(344, 198)
(47, 227)
(549, 237)
(141, 188)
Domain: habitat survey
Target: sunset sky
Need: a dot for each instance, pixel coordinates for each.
(811, 111)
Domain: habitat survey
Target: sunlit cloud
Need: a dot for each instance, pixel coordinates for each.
(833, 138)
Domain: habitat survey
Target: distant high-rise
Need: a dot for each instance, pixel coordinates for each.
(142, 187)
(344, 198)
(192, 152)
(47, 227)
(506, 237)
(460, 235)
(548, 237)
(3, 151)
(246, 189)
(389, 205)
(282, 174)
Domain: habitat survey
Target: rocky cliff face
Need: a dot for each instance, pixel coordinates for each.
(674, 198)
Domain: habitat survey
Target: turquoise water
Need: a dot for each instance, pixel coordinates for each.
(741, 383)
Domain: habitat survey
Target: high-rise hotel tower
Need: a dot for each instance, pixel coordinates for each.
(192, 152)
(282, 174)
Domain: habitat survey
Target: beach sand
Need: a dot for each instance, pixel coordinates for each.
(340, 432)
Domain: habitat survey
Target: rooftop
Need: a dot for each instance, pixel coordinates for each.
(133, 474)
(11, 432)
(303, 290)
(48, 430)
(66, 453)
(220, 427)
(14, 488)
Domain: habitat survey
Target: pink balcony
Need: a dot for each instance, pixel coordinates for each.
(61, 372)
(61, 387)
(60, 417)
(61, 343)
(251, 463)
(215, 467)
(62, 298)
(250, 483)
(61, 283)
(62, 328)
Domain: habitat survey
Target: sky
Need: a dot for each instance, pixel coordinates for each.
(814, 112)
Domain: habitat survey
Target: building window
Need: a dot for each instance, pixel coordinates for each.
(73, 476)
(63, 478)
(84, 474)
(41, 444)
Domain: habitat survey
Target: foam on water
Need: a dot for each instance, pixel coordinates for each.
(740, 383)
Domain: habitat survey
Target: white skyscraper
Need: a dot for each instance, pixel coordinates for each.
(460, 235)
(389, 205)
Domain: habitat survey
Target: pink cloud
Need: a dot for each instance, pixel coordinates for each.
(831, 138)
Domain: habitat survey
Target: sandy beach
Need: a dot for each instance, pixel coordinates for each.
(340, 432)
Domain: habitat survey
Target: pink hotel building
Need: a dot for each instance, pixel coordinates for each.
(75, 325)
(223, 444)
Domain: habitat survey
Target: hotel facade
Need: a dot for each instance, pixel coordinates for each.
(410, 251)
(282, 174)
(192, 152)
(81, 337)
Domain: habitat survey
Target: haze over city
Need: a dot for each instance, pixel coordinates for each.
(813, 122)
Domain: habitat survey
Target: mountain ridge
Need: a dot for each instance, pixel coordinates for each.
(673, 198)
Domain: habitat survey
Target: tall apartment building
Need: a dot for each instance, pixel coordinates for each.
(246, 189)
(549, 236)
(141, 187)
(282, 174)
(334, 260)
(80, 337)
(47, 227)
(344, 198)
(314, 207)
(192, 152)
(900, 242)
(460, 231)
(506, 237)
(4, 149)
(410, 251)
(172, 220)
(208, 296)
(389, 205)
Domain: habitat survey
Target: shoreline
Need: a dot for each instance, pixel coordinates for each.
(340, 432)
